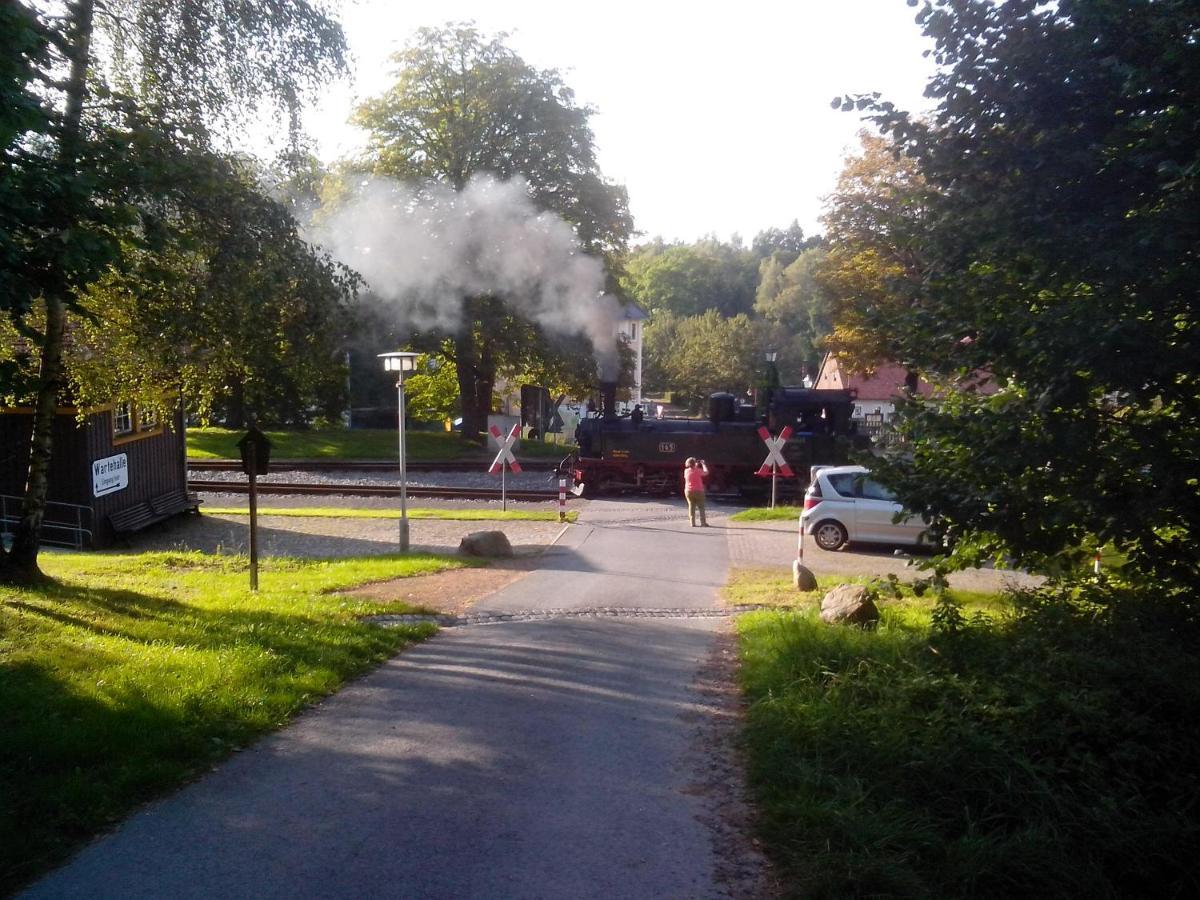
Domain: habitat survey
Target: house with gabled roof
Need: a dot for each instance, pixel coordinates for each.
(875, 394)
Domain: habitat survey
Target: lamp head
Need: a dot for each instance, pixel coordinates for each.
(399, 361)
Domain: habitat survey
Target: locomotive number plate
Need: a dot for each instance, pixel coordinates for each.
(666, 446)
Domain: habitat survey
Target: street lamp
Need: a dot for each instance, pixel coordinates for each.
(400, 363)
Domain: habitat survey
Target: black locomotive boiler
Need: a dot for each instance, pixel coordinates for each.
(645, 454)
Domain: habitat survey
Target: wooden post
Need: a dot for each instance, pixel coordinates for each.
(253, 516)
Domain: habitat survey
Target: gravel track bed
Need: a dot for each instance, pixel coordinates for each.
(525, 481)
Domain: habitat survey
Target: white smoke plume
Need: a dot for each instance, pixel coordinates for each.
(425, 250)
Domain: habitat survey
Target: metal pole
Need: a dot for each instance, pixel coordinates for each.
(403, 472)
(503, 488)
(774, 479)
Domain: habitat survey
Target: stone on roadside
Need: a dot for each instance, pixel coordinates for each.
(850, 604)
(486, 543)
(802, 577)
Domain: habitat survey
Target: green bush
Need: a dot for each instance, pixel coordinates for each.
(1050, 752)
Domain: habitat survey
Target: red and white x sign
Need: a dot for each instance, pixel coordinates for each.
(505, 455)
(775, 452)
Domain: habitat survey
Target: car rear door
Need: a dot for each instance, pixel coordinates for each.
(841, 503)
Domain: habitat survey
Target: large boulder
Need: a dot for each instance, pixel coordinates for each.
(851, 604)
(485, 543)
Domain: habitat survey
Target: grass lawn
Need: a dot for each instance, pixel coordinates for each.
(134, 672)
(1029, 750)
(338, 512)
(766, 514)
(356, 443)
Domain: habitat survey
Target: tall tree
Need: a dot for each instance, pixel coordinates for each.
(464, 104)
(794, 298)
(1063, 252)
(110, 78)
(784, 244)
(874, 269)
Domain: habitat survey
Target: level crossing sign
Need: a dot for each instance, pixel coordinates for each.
(775, 463)
(505, 455)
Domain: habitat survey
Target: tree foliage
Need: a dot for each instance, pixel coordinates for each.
(465, 104)
(1060, 247)
(783, 244)
(103, 101)
(874, 270)
(700, 355)
(793, 298)
(690, 279)
(232, 306)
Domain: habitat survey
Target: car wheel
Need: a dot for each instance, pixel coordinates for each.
(830, 535)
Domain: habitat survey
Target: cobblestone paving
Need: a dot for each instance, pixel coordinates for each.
(602, 612)
(773, 544)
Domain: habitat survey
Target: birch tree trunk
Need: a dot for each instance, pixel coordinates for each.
(21, 563)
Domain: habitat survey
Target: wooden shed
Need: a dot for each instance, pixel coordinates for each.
(113, 471)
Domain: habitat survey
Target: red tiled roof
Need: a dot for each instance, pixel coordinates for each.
(885, 383)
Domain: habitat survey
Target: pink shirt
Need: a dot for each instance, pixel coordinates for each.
(693, 480)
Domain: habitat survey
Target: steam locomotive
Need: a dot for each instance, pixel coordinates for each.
(620, 453)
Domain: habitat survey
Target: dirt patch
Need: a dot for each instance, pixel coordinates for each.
(454, 591)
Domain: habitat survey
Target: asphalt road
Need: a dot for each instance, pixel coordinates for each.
(542, 759)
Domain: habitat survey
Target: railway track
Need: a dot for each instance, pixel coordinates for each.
(366, 490)
(367, 465)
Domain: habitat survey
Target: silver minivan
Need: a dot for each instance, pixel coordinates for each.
(843, 504)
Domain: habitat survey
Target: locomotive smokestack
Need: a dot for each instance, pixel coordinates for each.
(608, 399)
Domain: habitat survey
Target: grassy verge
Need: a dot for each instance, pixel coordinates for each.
(1036, 749)
(357, 443)
(766, 514)
(337, 512)
(132, 673)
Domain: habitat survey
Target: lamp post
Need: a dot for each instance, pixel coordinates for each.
(401, 362)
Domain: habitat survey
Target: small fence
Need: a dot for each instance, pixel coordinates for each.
(881, 432)
(63, 524)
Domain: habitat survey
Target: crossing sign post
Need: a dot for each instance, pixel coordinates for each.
(774, 465)
(505, 460)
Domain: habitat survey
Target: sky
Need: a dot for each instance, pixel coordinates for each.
(715, 117)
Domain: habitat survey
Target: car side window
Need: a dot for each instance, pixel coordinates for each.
(843, 484)
(873, 490)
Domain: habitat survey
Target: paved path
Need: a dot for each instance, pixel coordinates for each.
(523, 760)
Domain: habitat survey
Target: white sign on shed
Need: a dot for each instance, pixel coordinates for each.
(110, 475)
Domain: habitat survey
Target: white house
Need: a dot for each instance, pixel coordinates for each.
(631, 328)
(875, 394)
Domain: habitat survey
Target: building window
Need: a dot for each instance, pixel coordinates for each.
(147, 419)
(633, 330)
(123, 418)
